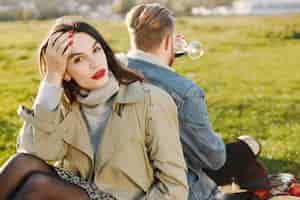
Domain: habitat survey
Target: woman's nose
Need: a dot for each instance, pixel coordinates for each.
(93, 63)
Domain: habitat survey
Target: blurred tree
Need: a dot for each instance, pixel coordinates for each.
(24, 14)
(8, 2)
(213, 3)
(7, 15)
(123, 6)
(18, 9)
(49, 9)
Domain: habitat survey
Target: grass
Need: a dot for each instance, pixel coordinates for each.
(250, 73)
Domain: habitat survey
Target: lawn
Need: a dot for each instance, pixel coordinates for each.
(250, 73)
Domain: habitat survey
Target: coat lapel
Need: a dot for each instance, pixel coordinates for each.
(82, 139)
(118, 130)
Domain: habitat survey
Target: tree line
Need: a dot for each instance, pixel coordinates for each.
(41, 9)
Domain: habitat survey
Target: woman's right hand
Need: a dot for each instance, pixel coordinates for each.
(56, 55)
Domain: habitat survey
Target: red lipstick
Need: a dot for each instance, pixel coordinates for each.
(99, 74)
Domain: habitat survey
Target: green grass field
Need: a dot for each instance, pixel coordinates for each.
(250, 73)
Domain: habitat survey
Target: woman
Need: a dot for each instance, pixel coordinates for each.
(112, 136)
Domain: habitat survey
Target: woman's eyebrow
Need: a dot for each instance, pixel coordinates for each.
(80, 53)
(74, 54)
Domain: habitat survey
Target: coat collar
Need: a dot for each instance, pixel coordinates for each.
(129, 94)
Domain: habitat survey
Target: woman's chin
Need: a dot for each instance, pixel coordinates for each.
(98, 84)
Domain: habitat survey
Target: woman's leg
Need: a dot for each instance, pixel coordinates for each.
(48, 187)
(16, 169)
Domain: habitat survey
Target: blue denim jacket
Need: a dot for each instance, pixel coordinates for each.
(201, 146)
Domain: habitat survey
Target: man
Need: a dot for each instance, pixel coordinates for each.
(151, 29)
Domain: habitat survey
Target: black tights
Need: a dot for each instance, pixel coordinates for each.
(25, 176)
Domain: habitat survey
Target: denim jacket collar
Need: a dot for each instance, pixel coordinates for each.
(141, 55)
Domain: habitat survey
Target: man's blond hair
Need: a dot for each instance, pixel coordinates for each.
(148, 24)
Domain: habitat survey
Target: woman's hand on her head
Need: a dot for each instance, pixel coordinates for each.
(56, 56)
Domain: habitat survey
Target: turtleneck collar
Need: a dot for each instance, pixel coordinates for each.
(100, 95)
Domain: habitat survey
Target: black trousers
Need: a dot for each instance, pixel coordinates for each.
(243, 167)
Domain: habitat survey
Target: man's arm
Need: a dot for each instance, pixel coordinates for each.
(205, 149)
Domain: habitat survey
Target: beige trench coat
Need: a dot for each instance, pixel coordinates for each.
(139, 157)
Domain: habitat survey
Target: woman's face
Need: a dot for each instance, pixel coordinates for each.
(87, 63)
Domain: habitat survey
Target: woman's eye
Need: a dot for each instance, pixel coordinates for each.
(77, 60)
(96, 49)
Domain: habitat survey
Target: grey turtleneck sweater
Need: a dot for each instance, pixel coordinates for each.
(49, 96)
(96, 118)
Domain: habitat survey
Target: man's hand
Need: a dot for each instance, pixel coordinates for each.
(180, 43)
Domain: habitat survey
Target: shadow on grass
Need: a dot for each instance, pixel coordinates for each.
(281, 166)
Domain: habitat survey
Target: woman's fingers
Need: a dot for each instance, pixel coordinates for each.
(58, 43)
(56, 40)
(61, 43)
(65, 50)
(64, 47)
(68, 46)
(56, 55)
(56, 37)
(53, 38)
(66, 53)
(57, 52)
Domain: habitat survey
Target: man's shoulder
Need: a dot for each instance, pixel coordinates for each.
(157, 94)
(186, 87)
(163, 77)
(190, 85)
(195, 90)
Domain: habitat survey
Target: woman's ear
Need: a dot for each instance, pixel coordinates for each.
(67, 77)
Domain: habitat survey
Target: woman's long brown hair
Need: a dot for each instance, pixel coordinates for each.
(123, 75)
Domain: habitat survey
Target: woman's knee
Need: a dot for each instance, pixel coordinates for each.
(46, 186)
(35, 186)
(38, 180)
(27, 163)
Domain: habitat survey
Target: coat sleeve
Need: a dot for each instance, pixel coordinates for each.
(165, 150)
(205, 148)
(43, 133)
